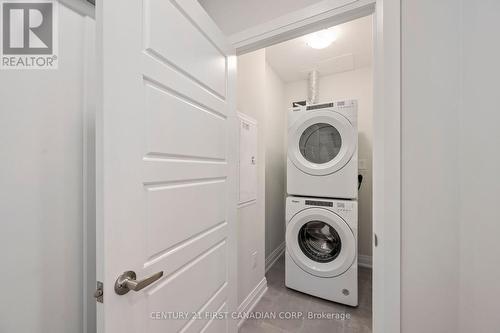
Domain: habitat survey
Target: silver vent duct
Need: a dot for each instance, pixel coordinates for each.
(313, 87)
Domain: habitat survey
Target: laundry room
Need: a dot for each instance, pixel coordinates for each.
(305, 208)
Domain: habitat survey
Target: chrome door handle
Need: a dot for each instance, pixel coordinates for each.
(127, 282)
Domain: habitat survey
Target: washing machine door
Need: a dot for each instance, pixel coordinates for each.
(320, 242)
(321, 142)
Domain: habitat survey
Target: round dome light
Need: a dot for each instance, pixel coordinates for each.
(321, 39)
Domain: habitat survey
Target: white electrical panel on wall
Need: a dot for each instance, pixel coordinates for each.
(248, 159)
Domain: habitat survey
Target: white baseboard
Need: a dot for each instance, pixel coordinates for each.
(364, 261)
(271, 258)
(252, 299)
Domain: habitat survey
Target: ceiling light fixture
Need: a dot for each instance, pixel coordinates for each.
(321, 39)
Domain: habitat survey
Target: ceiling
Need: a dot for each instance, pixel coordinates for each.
(237, 15)
(353, 48)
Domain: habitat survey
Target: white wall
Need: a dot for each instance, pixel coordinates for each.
(479, 168)
(262, 223)
(356, 84)
(450, 166)
(41, 197)
(430, 177)
(237, 15)
(251, 217)
(274, 127)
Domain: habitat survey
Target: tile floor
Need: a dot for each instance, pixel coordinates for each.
(278, 298)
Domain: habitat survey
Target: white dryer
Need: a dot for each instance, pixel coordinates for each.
(321, 248)
(322, 156)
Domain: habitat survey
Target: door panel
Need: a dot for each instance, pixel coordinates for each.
(186, 46)
(182, 221)
(177, 126)
(189, 290)
(215, 326)
(167, 187)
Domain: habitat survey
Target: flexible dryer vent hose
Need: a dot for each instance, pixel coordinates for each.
(313, 87)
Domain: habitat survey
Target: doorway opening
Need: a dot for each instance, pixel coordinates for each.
(306, 74)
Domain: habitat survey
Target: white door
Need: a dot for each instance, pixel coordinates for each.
(167, 190)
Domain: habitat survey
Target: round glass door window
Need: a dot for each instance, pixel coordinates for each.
(319, 241)
(320, 143)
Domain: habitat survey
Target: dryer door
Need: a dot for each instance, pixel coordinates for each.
(320, 242)
(321, 142)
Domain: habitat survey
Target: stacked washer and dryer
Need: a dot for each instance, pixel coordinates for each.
(321, 207)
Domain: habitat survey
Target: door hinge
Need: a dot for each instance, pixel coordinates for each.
(99, 292)
(375, 239)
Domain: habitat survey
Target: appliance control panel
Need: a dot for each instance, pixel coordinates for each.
(319, 203)
(338, 105)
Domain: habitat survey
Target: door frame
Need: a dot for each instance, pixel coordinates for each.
(386, 127)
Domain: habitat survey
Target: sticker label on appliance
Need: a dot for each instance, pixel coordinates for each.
(345, 206)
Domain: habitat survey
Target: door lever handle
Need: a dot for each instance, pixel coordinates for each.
(127, 282)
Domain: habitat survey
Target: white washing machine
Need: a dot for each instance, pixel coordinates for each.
(321, 257)
(323, 150)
